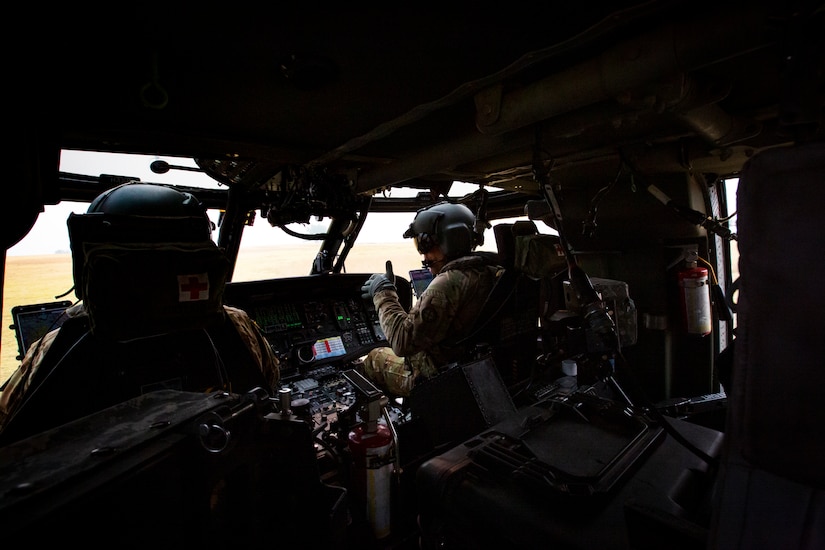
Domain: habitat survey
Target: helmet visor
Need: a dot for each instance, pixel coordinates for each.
(424, 242)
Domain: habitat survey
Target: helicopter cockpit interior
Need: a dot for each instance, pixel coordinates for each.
(648, 174)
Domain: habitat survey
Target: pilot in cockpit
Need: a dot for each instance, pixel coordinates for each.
(125, 226)
(426, 338)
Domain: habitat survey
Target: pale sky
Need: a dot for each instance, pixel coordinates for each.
(50, 235)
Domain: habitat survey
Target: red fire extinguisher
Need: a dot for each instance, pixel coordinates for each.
(694, 297)
(371, 445)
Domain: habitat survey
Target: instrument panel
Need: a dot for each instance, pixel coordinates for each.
(318, 331)
(312, 322)
(318, 326)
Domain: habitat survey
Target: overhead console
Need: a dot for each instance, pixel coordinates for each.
(313, 322)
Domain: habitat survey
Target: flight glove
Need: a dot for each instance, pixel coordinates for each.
(378, 282)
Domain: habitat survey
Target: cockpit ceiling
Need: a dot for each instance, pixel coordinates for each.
(422, 98)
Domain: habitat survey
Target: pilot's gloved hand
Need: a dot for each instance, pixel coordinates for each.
(378, 282)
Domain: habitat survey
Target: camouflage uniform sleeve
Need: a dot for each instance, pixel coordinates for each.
(20, 380)
(257, 344)
(428, 321)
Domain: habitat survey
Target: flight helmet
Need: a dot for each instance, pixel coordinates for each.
(137, 214)
(448, 225)
(146, 212)
(150, 202)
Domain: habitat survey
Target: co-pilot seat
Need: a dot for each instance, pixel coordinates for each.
(152, 282)
(504, 346)
(509, 322)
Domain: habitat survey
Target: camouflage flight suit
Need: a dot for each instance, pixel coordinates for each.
(17, 386)
(425, 339)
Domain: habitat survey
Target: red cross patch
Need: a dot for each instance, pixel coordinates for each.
(193, 288)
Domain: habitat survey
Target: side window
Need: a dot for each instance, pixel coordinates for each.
(731, 186)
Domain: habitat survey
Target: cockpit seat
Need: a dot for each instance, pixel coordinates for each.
(153, 319)
(504, 344)
(509, 322)
(771, 488)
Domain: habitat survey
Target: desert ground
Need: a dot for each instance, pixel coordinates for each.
(40, 279)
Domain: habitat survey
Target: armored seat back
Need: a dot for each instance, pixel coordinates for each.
(152, 319)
